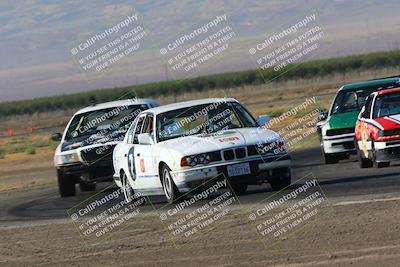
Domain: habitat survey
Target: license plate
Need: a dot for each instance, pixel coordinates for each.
(239, 169)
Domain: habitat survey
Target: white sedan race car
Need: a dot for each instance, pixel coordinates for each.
(172, 149)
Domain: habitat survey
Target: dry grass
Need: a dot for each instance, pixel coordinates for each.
(21, 170)
(18, 169)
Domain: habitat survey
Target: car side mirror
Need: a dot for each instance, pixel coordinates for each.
(263, 119)
(323, 115)
(145, 139)
(56, 137)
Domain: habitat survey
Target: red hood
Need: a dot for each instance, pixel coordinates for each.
(390, 122)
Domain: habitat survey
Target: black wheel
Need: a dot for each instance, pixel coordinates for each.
(377, 164)
(170, 190)
(364, 163)
(383, 164)
(239, 189)
(280, 183)
(66, 184)
(127, 189)
(87, 186)
(330, 159)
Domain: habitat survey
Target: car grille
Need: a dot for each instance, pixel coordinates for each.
(253, 150)
(240, 153)
(215, 156)
(237, 153)
(103, 153)
(334, 132)
(228, 154)
(264, 149)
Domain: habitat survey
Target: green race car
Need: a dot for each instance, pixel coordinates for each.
(336, 128)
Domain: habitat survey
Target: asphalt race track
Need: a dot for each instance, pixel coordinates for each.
(342, 183)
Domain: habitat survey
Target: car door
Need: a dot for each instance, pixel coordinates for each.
(145, 160)
(362, 129)
(129, 149)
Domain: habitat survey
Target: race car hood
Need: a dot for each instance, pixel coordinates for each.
(93, 140)
(389, 122)
(343, 120)
(190, 145)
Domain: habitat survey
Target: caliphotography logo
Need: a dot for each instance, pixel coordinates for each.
(199, 133)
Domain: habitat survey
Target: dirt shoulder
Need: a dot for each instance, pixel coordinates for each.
(20, 170)
(357, 234)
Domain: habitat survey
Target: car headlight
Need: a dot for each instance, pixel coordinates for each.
(66, 158)
(193, 160)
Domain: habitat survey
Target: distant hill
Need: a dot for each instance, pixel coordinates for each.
(36, 37)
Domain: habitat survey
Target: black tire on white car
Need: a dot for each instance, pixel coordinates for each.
(127, 189)
(170, 190)
(66, 184)
(330, 159)
(239, 189)
(87, 186)
(281, 182)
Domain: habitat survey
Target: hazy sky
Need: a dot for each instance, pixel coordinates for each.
(37, 38)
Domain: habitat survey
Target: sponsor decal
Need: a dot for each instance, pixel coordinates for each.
(364, 140)
(229, 139)
(142, 167)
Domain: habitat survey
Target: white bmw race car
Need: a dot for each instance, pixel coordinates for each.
(84, 153)
(172, 149)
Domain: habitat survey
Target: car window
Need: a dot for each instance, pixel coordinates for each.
(148, 126)
(109, 122)
(138, 129)
(387, 105)
(131, 131)
(368, 104)
(353, 100)
(202, 119)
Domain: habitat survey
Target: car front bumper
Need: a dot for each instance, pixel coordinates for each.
(387, 151)
(97, 171)
(340, 144)
(262, 170)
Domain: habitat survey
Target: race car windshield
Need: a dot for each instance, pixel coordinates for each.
(351, 100)
(103, 122)
(203, 119)
(386, 105)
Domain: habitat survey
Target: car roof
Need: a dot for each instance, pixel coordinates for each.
(117, 103)
(388, 91)
(186, 104)
(372, 83)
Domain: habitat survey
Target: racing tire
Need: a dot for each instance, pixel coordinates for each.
(328, 158)
(170, 190)
(66, 184)
(363, 162)
(382, 164)
(87, 186)
(127, 189)
(377, 164)
(239, 189)
(281, 183)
